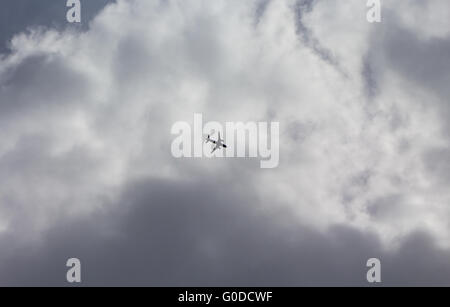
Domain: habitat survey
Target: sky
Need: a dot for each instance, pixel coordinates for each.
(86, 169)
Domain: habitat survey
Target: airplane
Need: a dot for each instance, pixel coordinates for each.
(219, 143)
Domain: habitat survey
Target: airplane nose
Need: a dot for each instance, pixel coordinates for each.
(224, 146)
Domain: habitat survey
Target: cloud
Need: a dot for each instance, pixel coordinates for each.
(85, 141)
(17, 15)
(164, 233)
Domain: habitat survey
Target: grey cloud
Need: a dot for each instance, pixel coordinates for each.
(437, 161)
(57, 85)
(217, 221)
(384, 207)
(33, 179)
(19, 15)
(261, 7)
(424, 62)
(371, 86)
(427, 63)
(164, 233)
(303, 7)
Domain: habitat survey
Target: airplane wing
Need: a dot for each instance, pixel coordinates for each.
(208, 139)
(214, 149)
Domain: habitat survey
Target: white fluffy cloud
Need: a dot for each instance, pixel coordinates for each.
(84, 113)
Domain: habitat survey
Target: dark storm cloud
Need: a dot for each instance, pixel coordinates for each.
(197, 234)
(18, 15)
